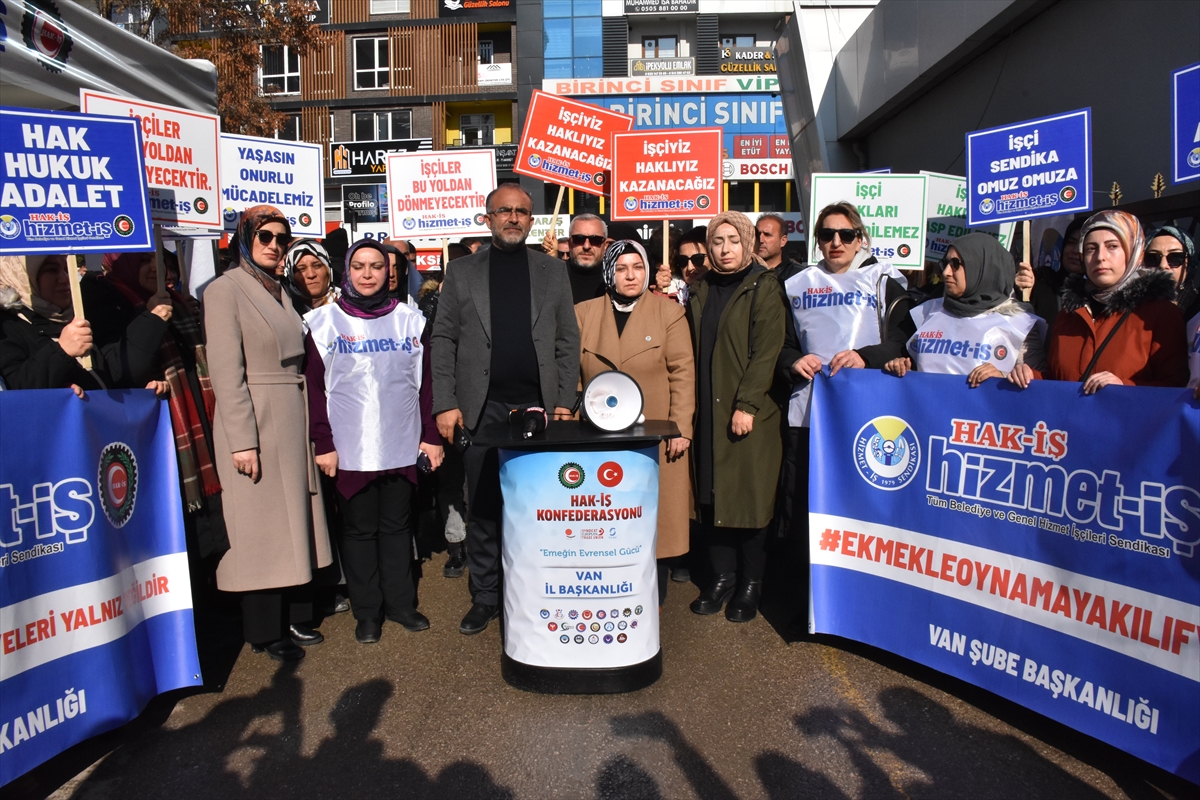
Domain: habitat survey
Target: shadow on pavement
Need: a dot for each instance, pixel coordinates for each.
(252, 748)
(939, 756)
(654, 725)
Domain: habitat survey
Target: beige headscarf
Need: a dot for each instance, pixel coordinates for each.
(18, 287)
(745, 230)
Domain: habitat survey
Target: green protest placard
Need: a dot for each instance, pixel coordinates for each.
(946, 209)
(892, 209)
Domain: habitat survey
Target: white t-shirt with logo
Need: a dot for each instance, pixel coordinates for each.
(952, 345)
(834, 312)
(372, 385)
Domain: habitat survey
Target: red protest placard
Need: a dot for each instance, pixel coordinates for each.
(667, 174)
(567, 142)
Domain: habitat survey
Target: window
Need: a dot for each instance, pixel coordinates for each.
(373, 126)
(658, 47)
(371, 63)
(572, 39)
(290, 129)
(487, 51)
(390, 6)
(280, 71)
(737, 40)
(476, 129)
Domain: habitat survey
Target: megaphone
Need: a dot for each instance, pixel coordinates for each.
(612, 401)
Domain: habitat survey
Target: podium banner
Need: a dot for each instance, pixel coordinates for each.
(95, 594)
(1038, 544)
(580, 581)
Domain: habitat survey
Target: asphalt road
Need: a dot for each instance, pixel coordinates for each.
(738, 713)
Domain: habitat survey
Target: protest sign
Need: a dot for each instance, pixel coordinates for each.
(95, 594)
(180, 149)
(72, 183)
(1185, 123)
(892, 209)
(440, 192)
(669, 174)
(946, 213)
(579, 581)
(1040, 544)
(1041, 167)
(541, 225)
(287, 175)
(567, 142)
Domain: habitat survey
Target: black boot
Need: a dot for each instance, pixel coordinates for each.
(744, 606)
(712, 599)
(456, 560)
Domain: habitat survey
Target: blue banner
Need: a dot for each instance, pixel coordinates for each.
(1039, 544)
(736, 114)
(95, 595)
(73, 183)
(1185, 123)
(1038, 168)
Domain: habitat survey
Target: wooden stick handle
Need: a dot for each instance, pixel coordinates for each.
(562, 189)
(445, 257)
(160, 259)
(77, 300)
(1025, 251)
(666, 242)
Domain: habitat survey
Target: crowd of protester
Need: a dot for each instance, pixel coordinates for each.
(304, 472)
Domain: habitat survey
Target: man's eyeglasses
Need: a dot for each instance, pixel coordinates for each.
(506, 211)
(1154, 258)
(847, 235)
(266, 237)
(681, 262)
(578, 239)
(956, 263)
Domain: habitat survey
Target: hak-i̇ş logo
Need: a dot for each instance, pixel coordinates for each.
(117, 481)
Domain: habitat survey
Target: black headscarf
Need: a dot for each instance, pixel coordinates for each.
(990, 273)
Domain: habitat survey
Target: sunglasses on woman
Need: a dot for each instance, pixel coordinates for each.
(847, 235)
(265, 238)
(956, 263)
(578, 239)
(1154, 259)
(681, 262)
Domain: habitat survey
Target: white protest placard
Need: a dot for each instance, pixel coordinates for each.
(287, 175)
(181, 151)
(946, 211)
(892, 209)
(440, 193)
(541, 224)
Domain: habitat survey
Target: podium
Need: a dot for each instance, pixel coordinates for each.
(578, 551)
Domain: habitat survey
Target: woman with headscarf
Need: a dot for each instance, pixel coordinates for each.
(1117, 324)
(737, 318)
(371, 404)
(40, 339)
(975, 328)
(1173, 250)
(646, 336)
(182, 364)
(307, 276)
(272, 497)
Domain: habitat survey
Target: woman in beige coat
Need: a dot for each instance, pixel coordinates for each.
(647, 336)
(271, 495)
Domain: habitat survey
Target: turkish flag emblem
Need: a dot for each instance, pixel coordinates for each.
(610, 474)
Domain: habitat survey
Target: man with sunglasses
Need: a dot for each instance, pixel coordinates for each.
(488, 358)
(587, 240)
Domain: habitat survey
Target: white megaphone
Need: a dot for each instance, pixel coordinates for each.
(612, 401)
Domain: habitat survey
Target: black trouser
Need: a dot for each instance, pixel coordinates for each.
(792, 517)
(485, 506)
(451, 497)
(731, 550)
(377, 549)
(266, 615)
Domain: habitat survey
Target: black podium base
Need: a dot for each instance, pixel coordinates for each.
(556, 680)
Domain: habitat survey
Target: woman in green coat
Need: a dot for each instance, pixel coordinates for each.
(737, 313)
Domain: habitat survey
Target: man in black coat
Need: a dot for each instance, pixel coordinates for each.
(488, 357)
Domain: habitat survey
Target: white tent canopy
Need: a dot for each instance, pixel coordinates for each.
(53, 49)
